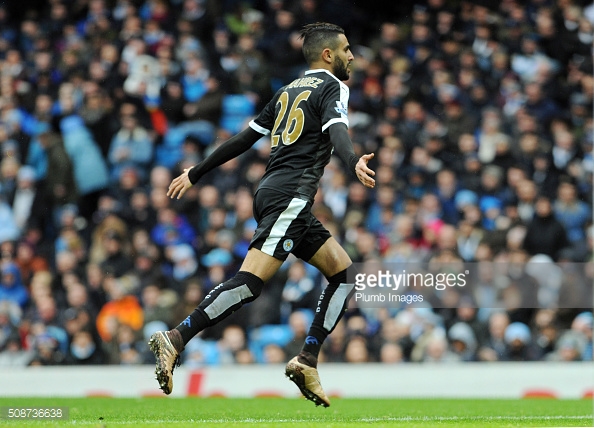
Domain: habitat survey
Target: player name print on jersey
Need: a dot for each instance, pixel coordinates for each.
(305, 82)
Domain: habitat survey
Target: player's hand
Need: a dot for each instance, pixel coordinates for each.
(363, 172)
(180, 185)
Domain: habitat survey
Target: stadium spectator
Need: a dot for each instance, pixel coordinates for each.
(171, 229)
(89, 167)
(84, 350)
(131, 146)
(123, 347)
(13, 354)
(356, 350)
(10, 317)
(298, 322)
(494, 348)
(569, 347)
(26, 198)
(544, 234)
(232, 341)
(158, 304)
(582, 324)
(9, 230)
(391, 353)
(545, 330)
(530, 58)
(519, 345)
(122, 309)
(46, 351)
(274, 354)
(191, 294)
(116, 262)
(204, 113)
(12, 288)
(299, 292)
(437, 351)
(183, 259)
(571, 212)
(463, 341)
(59, 188)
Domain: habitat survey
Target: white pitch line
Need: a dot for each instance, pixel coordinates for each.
(388, 419)
(471, 418)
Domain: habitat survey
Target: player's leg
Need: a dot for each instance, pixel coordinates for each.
(227, 297)
(220, 302)
(331, 259)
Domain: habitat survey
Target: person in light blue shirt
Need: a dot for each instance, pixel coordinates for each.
(90, 169)
(9, 231)
(132, 146)
(572, 213)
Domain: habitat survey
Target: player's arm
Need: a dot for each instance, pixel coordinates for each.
(343, 147)
(230, 149)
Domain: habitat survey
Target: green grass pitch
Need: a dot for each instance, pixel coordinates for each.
(103, 412)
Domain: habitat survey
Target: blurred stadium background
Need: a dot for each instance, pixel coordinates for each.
(480, 115)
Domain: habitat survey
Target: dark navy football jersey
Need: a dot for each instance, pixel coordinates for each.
(297, 120)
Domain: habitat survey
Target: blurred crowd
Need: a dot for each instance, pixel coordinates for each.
(479, 113)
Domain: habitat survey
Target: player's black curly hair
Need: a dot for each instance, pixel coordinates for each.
(317, 37)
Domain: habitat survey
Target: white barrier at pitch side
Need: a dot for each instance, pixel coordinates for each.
(486, 380)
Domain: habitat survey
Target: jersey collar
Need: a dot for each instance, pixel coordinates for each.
(323, 70)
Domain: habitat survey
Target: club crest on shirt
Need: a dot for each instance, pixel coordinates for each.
(341, 108)
(288, 245)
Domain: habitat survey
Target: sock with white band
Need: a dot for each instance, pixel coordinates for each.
(331, 307)
(221, 302)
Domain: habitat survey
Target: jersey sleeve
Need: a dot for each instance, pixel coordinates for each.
(334, 108)
(265, 120)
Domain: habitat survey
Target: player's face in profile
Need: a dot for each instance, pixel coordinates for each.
(342, 59)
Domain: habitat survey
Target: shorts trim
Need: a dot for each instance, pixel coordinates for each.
(281, 225)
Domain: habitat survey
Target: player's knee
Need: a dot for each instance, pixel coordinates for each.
(253, 283)
(247, 285)
(337, 279)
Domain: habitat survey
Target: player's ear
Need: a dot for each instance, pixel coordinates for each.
(327, 55)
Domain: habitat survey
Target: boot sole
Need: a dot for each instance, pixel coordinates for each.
(293, 372)
(162, 376)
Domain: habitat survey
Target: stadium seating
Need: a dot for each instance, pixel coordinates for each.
(236, 110)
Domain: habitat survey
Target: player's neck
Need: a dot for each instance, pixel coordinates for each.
(320, 65)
